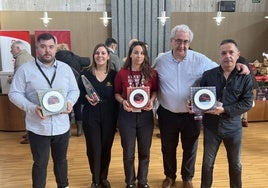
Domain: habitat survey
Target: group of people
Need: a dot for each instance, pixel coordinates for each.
(178, 70)
(169, 81)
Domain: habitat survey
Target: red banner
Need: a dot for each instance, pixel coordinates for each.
(6, 39)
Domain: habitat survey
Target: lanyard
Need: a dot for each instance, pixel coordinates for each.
(140, 83)
(48, 81)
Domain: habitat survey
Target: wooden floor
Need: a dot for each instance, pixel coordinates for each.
(16, 161)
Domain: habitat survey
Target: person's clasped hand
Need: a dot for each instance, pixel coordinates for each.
(68, 109)
(243, 69)
(126, 106)
(216, 111)
(189, 107)
(149, 105)
(38, 111)
(91, 100)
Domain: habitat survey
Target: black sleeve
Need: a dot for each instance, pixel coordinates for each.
(84, 61)
(246, 62)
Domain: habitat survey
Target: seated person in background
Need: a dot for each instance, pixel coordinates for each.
(76, 63)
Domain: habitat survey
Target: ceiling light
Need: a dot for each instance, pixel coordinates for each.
(163, 18)
(46, 19)
(105, 19)
(218, 18)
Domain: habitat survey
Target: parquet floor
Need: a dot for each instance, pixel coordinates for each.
(16, 161)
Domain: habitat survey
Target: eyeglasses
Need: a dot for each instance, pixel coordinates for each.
(184, 42)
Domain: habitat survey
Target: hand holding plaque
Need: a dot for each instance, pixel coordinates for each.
(138, 97)
(90, 89)
(52, 101)
(202, 99)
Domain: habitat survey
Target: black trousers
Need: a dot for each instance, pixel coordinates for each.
(172, 126)
(40, 148)
(136, 126)
(99, 129)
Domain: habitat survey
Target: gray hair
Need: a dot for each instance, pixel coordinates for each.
(19, 44)
(183, 28)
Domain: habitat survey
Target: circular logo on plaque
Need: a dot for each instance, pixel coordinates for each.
(204, 99)
(53, 101)
(138, 98)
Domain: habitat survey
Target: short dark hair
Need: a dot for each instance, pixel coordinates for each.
(225, 41)
(45, 36)
(110, 41)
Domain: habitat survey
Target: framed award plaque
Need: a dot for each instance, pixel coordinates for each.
(52, 101)
(138, 97)
(203, 98)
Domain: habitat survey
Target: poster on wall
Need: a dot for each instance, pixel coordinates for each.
(61, 36)
(7, 37)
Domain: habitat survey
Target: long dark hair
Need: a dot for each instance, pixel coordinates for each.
(146, 69)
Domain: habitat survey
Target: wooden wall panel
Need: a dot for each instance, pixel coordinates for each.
(12, 118)
(86, 28)
(250, 30)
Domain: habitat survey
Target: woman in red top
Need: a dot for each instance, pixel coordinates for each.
(135, 121)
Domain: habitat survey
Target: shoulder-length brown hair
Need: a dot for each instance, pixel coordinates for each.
(146, 69)
(93, 65)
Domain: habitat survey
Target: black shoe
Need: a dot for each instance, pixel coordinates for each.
(105, 184)
(130, 186)
(143, 186)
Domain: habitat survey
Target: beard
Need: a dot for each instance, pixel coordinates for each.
(46, 59)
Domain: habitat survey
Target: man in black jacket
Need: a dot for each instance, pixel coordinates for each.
(223, 124)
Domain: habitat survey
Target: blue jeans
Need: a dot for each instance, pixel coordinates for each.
(40, 148)
(232, 143)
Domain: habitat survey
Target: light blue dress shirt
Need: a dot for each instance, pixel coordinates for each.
(23, 93)
(176, 78)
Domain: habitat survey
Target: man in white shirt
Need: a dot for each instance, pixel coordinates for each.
(46, 133)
